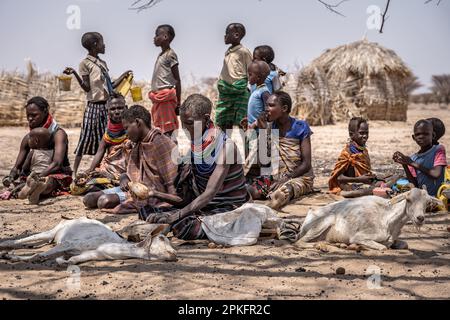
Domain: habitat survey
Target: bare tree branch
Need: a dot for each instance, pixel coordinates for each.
(332, 7)
(438, 2)
(383, 16)
(140, 5)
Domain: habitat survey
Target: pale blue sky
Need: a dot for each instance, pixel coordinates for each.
(298, 31)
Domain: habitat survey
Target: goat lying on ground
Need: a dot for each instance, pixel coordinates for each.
(370, 221)
(85, 239)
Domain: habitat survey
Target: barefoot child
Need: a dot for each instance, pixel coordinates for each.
(97, 84)
(166, 83)
(233, 92)
(294, 175)
(266, 54)
(427, 166)
(37, 161)
(352, 170)
(149, 162)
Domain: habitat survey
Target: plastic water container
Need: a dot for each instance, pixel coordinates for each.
(124, 87)
(136, 94)
(64, 82)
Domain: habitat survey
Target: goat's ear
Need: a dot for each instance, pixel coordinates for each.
(424, 187)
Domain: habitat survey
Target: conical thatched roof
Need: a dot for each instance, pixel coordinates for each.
(358, 79)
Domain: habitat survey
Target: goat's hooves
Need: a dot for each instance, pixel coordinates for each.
(62, 262)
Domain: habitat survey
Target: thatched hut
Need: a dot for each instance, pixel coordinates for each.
(357, 79)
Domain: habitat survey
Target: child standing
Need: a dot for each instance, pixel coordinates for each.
(265, 53)
(257, 104)
(258, 72)
(94, 79)
(427, 166)
(233, 92)
(166, 83)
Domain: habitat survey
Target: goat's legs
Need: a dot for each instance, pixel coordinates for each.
(56, 251)
(108, 251)
(34, 240)
(370, 244)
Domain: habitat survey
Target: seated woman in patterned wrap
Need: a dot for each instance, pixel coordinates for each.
(215, 175)
(293, 176)
(109, 162)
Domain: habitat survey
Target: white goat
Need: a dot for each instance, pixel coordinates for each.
(85, 239)
(369, 221)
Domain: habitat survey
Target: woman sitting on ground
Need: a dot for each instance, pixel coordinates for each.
(292, 174)
(109, 162)
(56, 177)
(215, 175)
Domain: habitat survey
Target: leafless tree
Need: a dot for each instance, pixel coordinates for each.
(441, 87)
(412, 84)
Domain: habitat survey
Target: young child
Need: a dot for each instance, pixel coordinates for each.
(233, 92)
(38, 160)
(96, 82)
(265, 53)
(166, 83)
(427, 166)
(258, 72)
(438, 129)
(257, 104)
(353, 170)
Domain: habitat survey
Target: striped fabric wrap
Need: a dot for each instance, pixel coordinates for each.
(233, 100)
(93, 128)
(204, 156)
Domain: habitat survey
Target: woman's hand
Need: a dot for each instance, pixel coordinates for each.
(261, 122)
(165, 217)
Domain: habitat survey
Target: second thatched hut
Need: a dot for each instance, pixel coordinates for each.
(358, 79)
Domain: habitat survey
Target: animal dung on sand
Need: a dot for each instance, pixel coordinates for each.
(138, 190)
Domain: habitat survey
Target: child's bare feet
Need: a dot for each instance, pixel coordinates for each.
(38, 186)
(29, 187)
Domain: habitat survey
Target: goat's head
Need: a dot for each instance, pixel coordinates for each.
(416, 205)
(159, 247)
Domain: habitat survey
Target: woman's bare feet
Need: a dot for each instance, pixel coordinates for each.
(280, 197)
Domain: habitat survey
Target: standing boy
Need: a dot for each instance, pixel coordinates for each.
(97, 84)
(233, 92)
(166, 83)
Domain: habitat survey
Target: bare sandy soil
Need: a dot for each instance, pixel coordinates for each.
(271, 269)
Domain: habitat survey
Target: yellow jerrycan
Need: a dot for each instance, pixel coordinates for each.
(124, 87)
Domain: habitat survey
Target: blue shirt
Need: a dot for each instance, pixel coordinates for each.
(256, 103)
(427, 160)
(300, 129)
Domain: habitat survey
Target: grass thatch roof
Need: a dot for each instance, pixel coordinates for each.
(357, 79)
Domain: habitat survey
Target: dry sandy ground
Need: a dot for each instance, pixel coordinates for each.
(269, 270)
